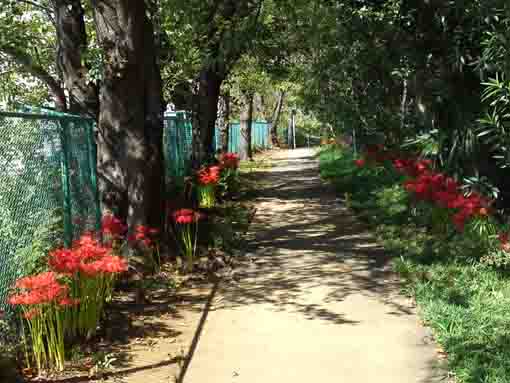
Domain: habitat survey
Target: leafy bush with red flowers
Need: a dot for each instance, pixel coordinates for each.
(426, 185)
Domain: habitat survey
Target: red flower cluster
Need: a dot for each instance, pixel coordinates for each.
(144, 234)
(229, 161)
(412, 168)
(186, 216)
(377, 153)
(360, 162)
(111, 225)
(209, 175)
(40, 289)
(427, 185)
(442, 190)
(504, 239)
(88, 257)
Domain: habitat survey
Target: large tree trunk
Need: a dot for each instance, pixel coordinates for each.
(276, 118)
(205, 110)
(246, 128)
(72, 46)
(154, 110)
(223, 120)
(123, 145)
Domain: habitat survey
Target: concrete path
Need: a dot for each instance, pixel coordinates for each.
(318, 302)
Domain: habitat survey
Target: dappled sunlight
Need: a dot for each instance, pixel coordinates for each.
(305, 243)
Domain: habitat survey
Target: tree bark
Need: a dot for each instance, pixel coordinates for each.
(154, 111)
(246, 128)
(72, 45)
(205, 110)
(276, 118)
(223, 120)
(123, 147)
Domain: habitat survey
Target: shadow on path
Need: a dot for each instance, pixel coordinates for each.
(304, 238)
(315, 290)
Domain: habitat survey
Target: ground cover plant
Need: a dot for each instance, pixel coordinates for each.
(453, 263)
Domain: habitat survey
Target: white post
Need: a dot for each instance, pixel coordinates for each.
(293, 128)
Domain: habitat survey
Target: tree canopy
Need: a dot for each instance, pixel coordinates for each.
(429, 74)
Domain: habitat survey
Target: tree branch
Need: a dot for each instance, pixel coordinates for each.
(26, 62)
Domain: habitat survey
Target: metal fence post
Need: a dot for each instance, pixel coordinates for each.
(92, 153)
(66, 185)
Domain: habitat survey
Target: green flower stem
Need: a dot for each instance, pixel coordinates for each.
(206, 196)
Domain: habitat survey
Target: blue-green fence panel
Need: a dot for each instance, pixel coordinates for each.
(259, 136)
(177, 140)
(48, 191)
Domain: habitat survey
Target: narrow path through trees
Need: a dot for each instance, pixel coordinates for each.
(318, 302)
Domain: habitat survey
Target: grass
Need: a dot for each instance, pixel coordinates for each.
(466, 304)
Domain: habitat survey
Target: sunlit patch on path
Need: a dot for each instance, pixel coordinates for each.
(316, 302)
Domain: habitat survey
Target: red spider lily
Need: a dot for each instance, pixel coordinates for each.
(64, 261)
(412, 168)
(209, 175)
(111, 225)
(504, 239)
(377, 153)
(87, 256)
(442, 190)
(229, 161)
(143, 234)
(459, 220)
(39, 289)
(109, 264)
(114, 264)
(186, 216)
(68, 302)
(31, 314)
(359, 162)
(39, 281)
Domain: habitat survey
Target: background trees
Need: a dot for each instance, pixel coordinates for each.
(432, 74)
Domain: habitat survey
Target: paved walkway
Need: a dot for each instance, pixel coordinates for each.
(318, 303)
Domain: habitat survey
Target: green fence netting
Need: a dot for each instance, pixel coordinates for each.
(48, 191)
(48, 181)
(177, 145)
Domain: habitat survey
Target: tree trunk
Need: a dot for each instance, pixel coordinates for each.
(276, 118)
(246, 128)
(154, 110)
(124, 144)
(223, 120)
(72, 45)
(205, 109)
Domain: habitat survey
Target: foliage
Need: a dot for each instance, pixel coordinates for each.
(463, 300)
(32, 259)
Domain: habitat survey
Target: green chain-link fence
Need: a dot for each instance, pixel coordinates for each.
(48, 183)
(46, 180)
